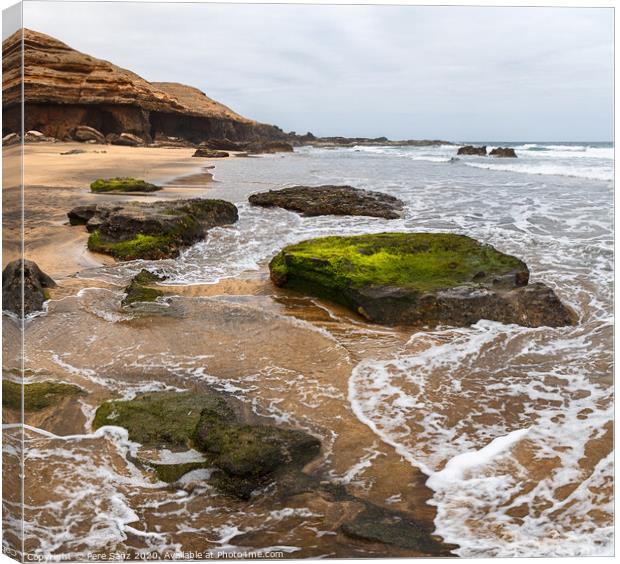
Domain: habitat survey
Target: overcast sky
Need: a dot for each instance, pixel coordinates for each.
(453, 73)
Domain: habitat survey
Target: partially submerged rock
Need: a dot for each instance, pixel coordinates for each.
(35, 287)
(139, 289)
(246, 456)
(36, 395)
(504, 152)
(210, 153)
(122, 184)
(376, 524)
(419, 279)
(331, 200)
(471, 150)
(150, 230)
(260, 147)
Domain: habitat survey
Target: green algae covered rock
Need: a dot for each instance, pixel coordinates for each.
(124, 184)
(37, 395)
(418, 279)
(140, 290)
(245, 456)
(150, 230)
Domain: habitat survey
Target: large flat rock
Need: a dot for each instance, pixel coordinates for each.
(150, 230)
(419, 279)
(331, 200)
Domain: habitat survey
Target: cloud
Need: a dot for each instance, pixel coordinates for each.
(402, 71)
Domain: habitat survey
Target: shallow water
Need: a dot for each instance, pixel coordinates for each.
(511, 426)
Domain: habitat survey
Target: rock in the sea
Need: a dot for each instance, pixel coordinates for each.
(376, 524)
(35, 287)
(419, 279)
(36, 395)
(223, 145)
(505, 152)
(122, 184)
(140, 288)
(10, 139)
(331, 200)
(246, 455)
(210, 153)
(150, 230)
(126, 139)
(471, 150)
(259, 147)
(85, 133)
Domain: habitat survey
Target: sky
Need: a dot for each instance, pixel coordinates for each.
(406, 72)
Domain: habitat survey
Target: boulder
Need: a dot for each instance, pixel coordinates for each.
(125, 139)
(139, 289)
(504, 152)
(471, 150)
(85, 133)
(10, 139)
(223, 145)
(246, 455)
(249, 455)
(259, 147)
(150, 230)
(331, 200)
(210, 153)
(419, 279)
(122, 184)
(376, 524)
(36, 395)
(34, 136)
(35, 287)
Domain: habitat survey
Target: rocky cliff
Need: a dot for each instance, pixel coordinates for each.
(64, 89)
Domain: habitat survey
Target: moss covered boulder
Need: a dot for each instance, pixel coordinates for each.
(419, 279)
(25, 287)
(245, 455)
(37, 395)
(248, 455)
(150, 230)
(331, 200)
(140, 288)
(122, 184)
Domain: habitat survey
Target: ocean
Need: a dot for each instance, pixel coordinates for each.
(503, 433)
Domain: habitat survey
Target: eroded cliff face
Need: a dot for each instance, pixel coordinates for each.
(64, 88)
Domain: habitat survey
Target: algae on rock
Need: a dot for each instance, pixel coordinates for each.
(36, 395)
(122, 184)
(418, 279)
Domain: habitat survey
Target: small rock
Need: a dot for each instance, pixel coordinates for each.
(74, 152)
(10, 139)
(504, 152)
(210, 153)
(471, 150)
(125, 139)
(35, 286)
(85, 133)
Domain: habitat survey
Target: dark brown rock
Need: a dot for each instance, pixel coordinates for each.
(210, 153)
(419, 279)
(504, 152)
(376, 524)
(35, 285)
(223, 145)
(331, 200)
(471, 150)
(259, 147)
(150, 230)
